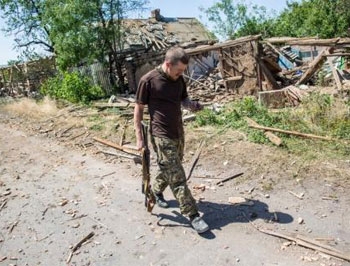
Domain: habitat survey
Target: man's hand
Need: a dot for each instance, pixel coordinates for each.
(140, 144)
(196, 106)
(193, 106)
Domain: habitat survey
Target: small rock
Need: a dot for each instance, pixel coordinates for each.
(300, 220)
(63, 202)
(76, 225)
(6, 193)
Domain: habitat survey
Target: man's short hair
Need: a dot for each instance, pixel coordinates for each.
(175, 55)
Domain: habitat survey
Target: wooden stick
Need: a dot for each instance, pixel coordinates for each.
(292, 133)
(195, 158)
(116, 146)
(304, 242)
(229, 178)
(190, 78)
(78, 245)
(65, 130)
(272, 137)
(335, 73)
(296, 195)
(77, 136)
(135, 158)
(3, 205)
(123, 134)
(13, 226)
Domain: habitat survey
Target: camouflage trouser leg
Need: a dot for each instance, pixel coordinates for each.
(170, 172)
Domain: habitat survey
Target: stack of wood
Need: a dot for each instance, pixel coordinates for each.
(294, 95)
(208, 89)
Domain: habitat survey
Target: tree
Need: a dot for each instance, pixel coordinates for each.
(233, 19)
(24, 18)
(84, 31)
(321, 18)
(76, 31)
(72, 29)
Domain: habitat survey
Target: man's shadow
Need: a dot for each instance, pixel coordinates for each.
(218, 215)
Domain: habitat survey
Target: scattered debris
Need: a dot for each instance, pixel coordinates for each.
(14, 224)
(3, 205)
(228, 178)
(303, 241)
(300, 196)
(200, 187)
(240, 201)
(63, 202)
(78, 245)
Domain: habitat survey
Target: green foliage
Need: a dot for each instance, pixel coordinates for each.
(25, 20)
(319, 114)
(322, 18)
(77, 32)
(71, 87)
(233, 19)
(233, 115)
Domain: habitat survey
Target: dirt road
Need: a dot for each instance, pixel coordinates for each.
(52, 196)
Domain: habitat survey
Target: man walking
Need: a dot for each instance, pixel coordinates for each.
(164, 91)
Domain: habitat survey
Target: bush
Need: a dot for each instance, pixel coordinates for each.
(72, 87)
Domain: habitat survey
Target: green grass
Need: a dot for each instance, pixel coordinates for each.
(318, 114)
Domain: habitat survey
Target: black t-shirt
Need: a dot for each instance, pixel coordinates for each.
(163, 97)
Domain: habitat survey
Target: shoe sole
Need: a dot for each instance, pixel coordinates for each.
(202, 231)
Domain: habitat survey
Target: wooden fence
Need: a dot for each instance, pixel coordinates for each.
(26, 78)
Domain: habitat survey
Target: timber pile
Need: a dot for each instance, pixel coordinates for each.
(209, 88)
(300, 72)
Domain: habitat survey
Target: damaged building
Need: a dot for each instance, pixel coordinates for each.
(270, 69)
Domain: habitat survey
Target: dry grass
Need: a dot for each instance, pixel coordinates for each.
(33, 109)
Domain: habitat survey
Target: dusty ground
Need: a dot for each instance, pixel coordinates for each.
(56, 188)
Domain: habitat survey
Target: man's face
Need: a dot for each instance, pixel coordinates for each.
(174, 71)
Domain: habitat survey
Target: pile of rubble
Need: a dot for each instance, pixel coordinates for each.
(277, 70)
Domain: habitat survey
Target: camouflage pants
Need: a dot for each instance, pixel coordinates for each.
(171, 172)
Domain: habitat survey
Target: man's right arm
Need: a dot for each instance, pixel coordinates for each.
(138, 116)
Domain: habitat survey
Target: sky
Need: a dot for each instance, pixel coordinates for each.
(168, 8)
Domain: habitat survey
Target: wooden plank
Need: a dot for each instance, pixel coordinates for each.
(335, 74)
(235, 78)
(315, 42)
(225, 80)
(118, 147)
(272, 137)
(292, 133)
(207, 48)
(257, 47)
(269, 78)
(337, 54)
(314, 66)
(282, 40)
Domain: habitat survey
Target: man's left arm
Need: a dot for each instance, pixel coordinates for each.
(186, 102)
